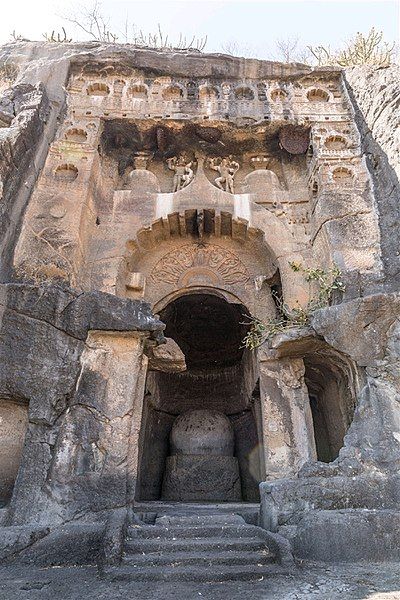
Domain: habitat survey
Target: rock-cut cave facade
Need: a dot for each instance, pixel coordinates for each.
(152, 206)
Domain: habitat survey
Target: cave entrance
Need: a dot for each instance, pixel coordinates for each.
(331, 382)
(200, 433)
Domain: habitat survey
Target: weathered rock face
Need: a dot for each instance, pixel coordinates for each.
(43, 333)
(365, 474)
(166, 357)
(373, 322)
(24, 110)
(375, 94)
(136, 182)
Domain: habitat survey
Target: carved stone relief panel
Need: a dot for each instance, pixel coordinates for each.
(200, 265)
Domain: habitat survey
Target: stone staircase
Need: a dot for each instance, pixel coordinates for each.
(197, 547)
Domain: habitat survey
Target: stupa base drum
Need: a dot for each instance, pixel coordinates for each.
(190, 478)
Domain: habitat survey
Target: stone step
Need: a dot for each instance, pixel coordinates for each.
(192, 573)
(196, 547)
(153, 531)
(210, 558)
(200, 520)
(193, 544)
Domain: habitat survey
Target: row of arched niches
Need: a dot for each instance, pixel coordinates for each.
(206, 92)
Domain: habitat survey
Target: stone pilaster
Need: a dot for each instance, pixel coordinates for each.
(286, 416)
(95, 464)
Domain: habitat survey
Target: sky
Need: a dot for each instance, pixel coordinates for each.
(252, 27)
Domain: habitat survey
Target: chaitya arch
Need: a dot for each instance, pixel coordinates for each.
(167, 259)
(205, 248)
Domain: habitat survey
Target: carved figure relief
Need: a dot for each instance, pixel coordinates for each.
(227, 169)
(194, 265)
(183, 172)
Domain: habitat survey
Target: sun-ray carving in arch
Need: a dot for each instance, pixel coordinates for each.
(193, 264)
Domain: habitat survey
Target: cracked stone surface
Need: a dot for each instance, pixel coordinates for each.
(376, 93)
(338, 582)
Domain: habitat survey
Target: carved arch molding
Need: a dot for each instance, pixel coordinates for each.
(200, 264)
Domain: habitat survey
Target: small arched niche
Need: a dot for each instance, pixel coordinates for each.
(335, 142)
(66, 172)
(172, 92)
(342, 174)
(13, 427)
(317, 95)
(78, 84)
(138, 91)
(208, 93)
(98, 89)
(244, 93)
(278, 95)
(76, 135)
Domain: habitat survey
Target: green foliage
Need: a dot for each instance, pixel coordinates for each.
(256, 333)
(326, 283)
(369, 49)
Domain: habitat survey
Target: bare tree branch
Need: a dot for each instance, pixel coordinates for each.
(95, 25)
(369, 49)
(233, 48)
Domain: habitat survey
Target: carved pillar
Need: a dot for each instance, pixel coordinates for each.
(286, 414)
(95, 464)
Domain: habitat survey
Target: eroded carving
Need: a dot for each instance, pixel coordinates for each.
(227, 169)
(183, 172)
(191, 264)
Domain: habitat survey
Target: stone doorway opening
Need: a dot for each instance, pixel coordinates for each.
(331, 382)
(200, 438)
